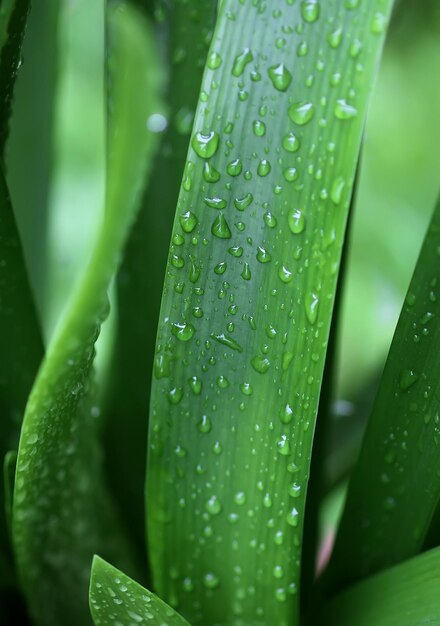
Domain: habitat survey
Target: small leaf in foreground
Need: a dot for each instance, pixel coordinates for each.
(404, 595)
(117, 599)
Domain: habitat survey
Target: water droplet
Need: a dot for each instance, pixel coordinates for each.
(301, 112)
(175, 395)
(246, 389)
(222, 382)
(205, 145)
(297, 221)
(270, 219)
(187, 175)
(264, 167)
(210, 174)
(213, 506)
(290, 174)
(242, 203)
(196, 385)
(217, 448)
(177, 261)
(335, 37)
(407, 379)
(337, 190)
(344, 111)
(236, 251)
(293, 517)
(261, 364)
(285, 275)
(267, 501)
(280, 77)
(295, 490)
(311, 305)
(187, 585)
(188, 221)
(378, 24)
(220, 227)
(259, 128)
(280, 595)
(246, 273)
(240, 498)
(205, 424)
(211, 581)
(234, 168)
(214, 60)
(162, 366)
(310, 10)
(220, 268)
(263, 256)
(215, 203)
(183, 331)
(225, 340)
(286, 414)
(278, 571)
(283, 446)
(240, 62)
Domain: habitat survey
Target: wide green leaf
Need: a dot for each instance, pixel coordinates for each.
(186, 36)
(117, 599)
(62, 513)
(248, 299)
(404, 595)
(395, 485)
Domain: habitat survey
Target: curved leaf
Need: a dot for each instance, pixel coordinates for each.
(62, 513)
(20, 340)
(248, 300)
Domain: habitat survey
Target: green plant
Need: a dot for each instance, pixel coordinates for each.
(245, 364)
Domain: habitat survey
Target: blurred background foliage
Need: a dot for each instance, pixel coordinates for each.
(61, 183)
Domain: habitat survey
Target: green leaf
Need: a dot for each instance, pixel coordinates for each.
(62, 513)
(117, 599)
(247, 303)
(139, 289)
(395, 485)
(13, 15)
(30, 145)
(20, 340)
(9, 468)
(405, 595)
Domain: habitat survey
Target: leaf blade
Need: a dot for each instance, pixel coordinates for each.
(62, 512)
(211, 363)
(404, 595)
(386, 516)
(116, 597)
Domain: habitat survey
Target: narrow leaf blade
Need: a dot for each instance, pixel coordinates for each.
(387, 513)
